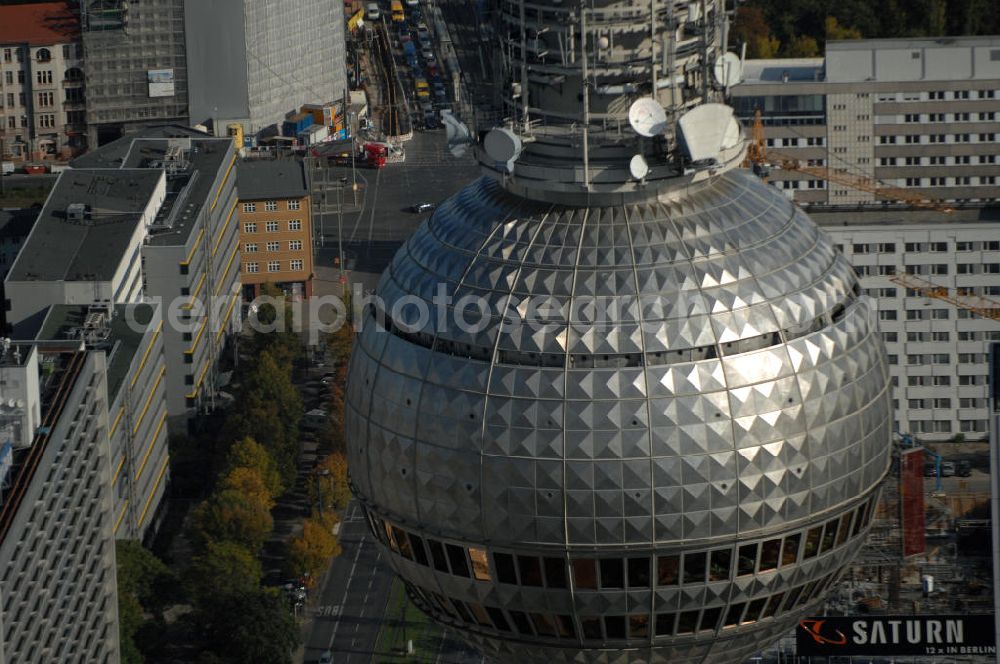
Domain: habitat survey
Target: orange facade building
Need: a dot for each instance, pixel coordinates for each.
(275, 227)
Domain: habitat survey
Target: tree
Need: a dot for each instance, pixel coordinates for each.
(249, 626)
(234, 516)
(144, 585)
(283, 343)
(835, 31)
(802, 46)
(248, 453)
(223, 565)
(750, 27)
(248, 482)
(310, 553)
(340, 344)
(329, 484)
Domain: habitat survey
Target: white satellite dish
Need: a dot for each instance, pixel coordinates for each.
(647, 117)
(502, 145)
(728, 70)
(459, 136)
(706, 130)
(638, 167)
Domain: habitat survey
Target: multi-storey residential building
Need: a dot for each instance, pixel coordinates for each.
(190, 254)
(937, 351)
(922, 114)
(58, 593)
(275, 229)
(86, 245)
(131, 337)
(135, 64)
(41, 82)
(259, 60)
(144, 218)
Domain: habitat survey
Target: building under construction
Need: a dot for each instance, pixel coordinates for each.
(135, 63)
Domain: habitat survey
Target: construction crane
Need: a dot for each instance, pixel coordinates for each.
(981, 306)
(757, 158)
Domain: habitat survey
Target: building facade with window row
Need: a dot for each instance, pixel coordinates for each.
(58, 589)
(42, 100)
(275, 216)
(921, 114)
(936, 350)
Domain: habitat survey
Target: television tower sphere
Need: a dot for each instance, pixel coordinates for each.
(596, 415)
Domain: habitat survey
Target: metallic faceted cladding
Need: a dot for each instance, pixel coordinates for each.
(738, 396)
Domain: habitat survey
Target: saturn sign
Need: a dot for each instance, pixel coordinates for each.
(896, 635)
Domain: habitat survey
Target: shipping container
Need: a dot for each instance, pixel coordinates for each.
(296, 124)
(314, 135)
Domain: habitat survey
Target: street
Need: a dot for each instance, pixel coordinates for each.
(349, 612)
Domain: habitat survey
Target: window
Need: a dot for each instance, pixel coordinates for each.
(271, 226)
(294, 205)
(505, 568)
(43, 55)
(249, 207)
(252, 268)
(555, 570)
(694, 567)
(719, 565)
(667, 570)
(612, 573)
(480, 564)
(249, 227)
(585, 573)
(273, 246)
(531, 571)
(274, 266)
(250, 248)
(456, 556)
(43, 77)
(270, 206)
(295, 225)
(437, 555)
(296, 265)
(295, 245)
(887, 314)
(665, 624)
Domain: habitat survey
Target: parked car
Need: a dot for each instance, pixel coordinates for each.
(432, 68)
(412, 3)
(422, 207)
(431, 121)
(947, 469)
(930, 469)
(963, 469)
(372, 12)
(325, 658)
(421, 88)
(427, 53)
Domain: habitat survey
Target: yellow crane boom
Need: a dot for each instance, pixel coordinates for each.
(981, 306)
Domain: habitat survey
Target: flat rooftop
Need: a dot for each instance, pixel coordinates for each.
(112, 155)
(260, 179)
(189, 184)
(61, 249)
(798, 70)
(17, 222)
(120, 337)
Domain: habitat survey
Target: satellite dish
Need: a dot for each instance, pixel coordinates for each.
(638, 167)
(647, 117)
(728, 70)
(459, 136)
(502, 145)
(707, 130)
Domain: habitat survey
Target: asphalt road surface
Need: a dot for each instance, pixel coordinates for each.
(351, 604)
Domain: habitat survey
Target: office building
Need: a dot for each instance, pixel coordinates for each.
(275, 218)
(258, 60)
(651, 423)
(135, 65)
(131, 337)
(920, 114)
(41, 82)
(59, 589)
(144, 219)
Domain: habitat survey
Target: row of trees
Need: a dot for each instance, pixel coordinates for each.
(779, 28)
(248, 462)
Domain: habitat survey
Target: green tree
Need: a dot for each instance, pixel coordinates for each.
(144, 585)
(751, 28)
(248, 453)
(802, 46)
(249, 626)
(232, 515)
(310, 553)
(223, 564)
(340, 344)
(283, 343)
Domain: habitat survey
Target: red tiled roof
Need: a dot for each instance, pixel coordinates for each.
(38, 24)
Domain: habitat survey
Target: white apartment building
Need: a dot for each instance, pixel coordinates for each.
(41, 82)
(921, 114)
(58, 590)
(937, 350)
